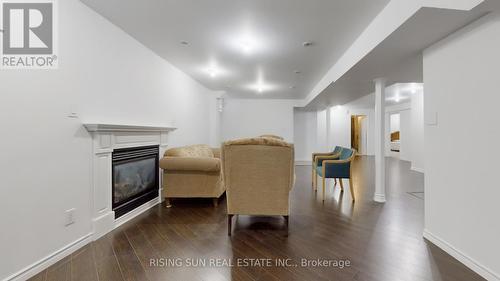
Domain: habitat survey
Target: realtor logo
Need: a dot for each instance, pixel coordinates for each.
(28, 34)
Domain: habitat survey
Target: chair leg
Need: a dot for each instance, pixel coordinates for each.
(334, 182)
(229, 224)
(315, 181)
(351, 186)
(168, 203)
(341, 185)
(287, 221)
(215, 202)
(323, 178)
(312, 176)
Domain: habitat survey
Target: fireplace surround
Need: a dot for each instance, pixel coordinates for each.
(108, 141)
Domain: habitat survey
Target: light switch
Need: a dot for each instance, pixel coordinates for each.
(70, 217)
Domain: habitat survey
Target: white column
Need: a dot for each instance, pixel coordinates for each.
(379, 140)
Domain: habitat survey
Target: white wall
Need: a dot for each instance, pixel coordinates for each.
(243, 118)
(322, 124)
(333, 127)
(340, 126)
(461, 156)
(417, 134)
(216, 109)
(46, 157)
(304, 134)
(370, 115)
(395, 122)
(405, 136)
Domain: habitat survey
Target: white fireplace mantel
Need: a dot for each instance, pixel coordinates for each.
(106, 138)
(126, 128)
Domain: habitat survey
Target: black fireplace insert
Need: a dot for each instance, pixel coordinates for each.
(135, 177)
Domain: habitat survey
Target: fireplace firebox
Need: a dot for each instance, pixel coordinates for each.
(135, 178)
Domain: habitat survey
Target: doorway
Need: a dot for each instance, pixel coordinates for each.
(359, 133)
(395, 134)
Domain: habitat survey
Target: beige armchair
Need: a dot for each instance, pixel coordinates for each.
(272, 136)
(192, 172)
(259, 174)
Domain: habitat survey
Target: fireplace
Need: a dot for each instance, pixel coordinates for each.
(135, 177)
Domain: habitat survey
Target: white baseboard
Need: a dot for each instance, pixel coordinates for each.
(102, 226)
(303, 162)
(485, 272)
(417, 169)
(380, 198)
(49, 260)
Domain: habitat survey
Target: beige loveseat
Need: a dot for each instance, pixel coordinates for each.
(258, 174)
(192, 172)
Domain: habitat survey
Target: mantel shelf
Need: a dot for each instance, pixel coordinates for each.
(126, 128)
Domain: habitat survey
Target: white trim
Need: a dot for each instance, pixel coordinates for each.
(391, 109)
(137, 211)
(100, 127)
(103, 225)
(49, 260)
(480, 269)
(380, 198)
(303, 162)
(417, 169)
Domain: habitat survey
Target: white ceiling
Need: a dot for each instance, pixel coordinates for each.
(398, 93)
(399, 57)
(218, 31)
(401, 93)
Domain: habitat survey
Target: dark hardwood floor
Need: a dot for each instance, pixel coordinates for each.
(381, 241)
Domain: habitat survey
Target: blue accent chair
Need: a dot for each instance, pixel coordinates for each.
(338, 169)
(317, 161)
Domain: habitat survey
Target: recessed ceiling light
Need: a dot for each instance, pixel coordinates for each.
(246, 47)
(184, 43)
(397, 98)
(247, 42)
(214, 70)
(307, 44)
(261, 87)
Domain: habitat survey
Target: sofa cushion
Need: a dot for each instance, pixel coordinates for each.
(198, 150)
(272, 136)
(201, 164)
(259, 141)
